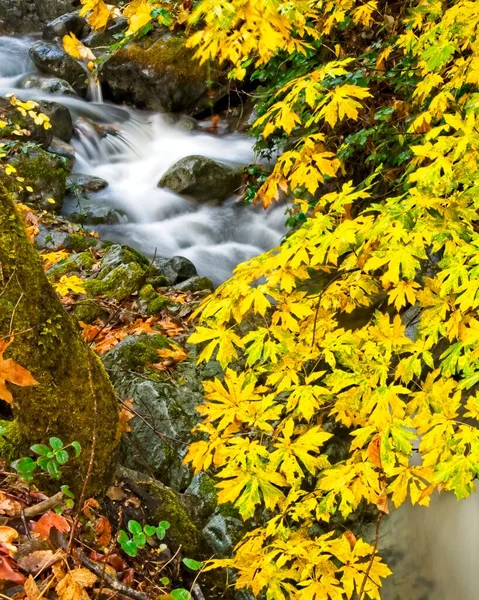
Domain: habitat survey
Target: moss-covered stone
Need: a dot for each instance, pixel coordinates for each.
(74, 399)
(75, 264)
(10, 439)
(135, 352)
(161, 76)
(118, 284)
(154, 302)
(43, 172)
(80, 243)
(88, 311)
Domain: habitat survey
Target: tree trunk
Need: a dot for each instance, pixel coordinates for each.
(74, 399)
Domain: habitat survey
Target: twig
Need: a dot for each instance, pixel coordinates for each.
(373, 556)
(111, 581)
(13, 313)
(42, 507)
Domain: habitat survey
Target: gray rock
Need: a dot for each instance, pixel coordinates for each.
(117, 255)
(196, 284)
(25, 16)
(52, 239)
(50, 59)
(60, 119)
(202, 179)
(101, 215)
(183, 122)
(63, 150)
(175, 269)
(222, 533)
(105, 38)
(65, 24)
(80, 183)
(50, 85)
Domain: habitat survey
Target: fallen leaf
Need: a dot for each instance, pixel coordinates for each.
(69, 589)
(31, 589)
(8, 570)
(84, 577)
(103, 531)
(13, 373)
(87, 508)
(8, 506)
(7, 536)
(37, 561)
(115, 493)
(126, 415)
(48, 521)
(133, 501)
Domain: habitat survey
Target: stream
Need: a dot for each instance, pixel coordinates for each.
(433, 552)
(133, 158)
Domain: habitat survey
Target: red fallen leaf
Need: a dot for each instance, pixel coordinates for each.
(103, 531)
(48, 521)
(7, 568)
(128, 577)
(114, 560)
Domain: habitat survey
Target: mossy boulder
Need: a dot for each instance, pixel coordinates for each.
(75, 264)
(118, 284)
(33, 133)
(60, 119)
(202, 179)
(74, 399)
(152, 302)
(51, 59)
(160, 76)
(45, 173)
(175, 269)
(134, 352)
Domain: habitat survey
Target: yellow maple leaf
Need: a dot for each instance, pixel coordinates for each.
(138, 14)
(74, 48)
(99, 13)
(70, 284)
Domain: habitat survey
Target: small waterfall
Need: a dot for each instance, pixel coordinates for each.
(95, 93)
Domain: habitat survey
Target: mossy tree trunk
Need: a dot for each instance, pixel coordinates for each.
(74, 399)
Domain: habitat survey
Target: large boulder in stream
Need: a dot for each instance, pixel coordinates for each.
(202, 179)
(161, 76)
(52, 60)
(26, 16)
(69, 23)
(49, 85)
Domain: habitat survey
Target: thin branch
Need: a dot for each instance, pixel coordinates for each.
(373, 556)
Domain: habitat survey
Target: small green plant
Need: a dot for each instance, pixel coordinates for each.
(140, 535)
(50, 459)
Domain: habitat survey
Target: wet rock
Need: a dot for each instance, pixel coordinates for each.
(101, 215)
(196, 284)
(49, 85)
(222, 533)
(65, 24)
(80, 183)
(51, 9)
(175, 269)
(151, 301)
(36, 133)
(43, 172)
(64, 151)
(105, 38)
(75, 264)
(50, 59)
(60, 119)
(25, 16)
(202, 179)
(53, 239)
(183, 122)
(160, 76)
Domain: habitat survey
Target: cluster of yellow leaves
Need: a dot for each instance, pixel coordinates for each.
(361, 329)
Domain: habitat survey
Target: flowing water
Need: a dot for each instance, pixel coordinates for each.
(434, 552)
(131, 150)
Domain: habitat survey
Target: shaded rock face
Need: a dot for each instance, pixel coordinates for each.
(50, 59)
(162, 77)
(26, 16)
(69, 23)
(175, 269)
(36, 133)
(79, 183)
(50, 85)
(60, 119)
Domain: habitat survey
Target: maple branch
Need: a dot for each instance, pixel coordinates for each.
(42, 507)
(373, 556)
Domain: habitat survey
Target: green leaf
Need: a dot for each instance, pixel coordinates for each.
(43, 462)
(40, 449)
(149, 530)
(53, 470)
(194, 565)
(165, 580)
(25, 467)
(62, 457)
(140, 539)
(56, 443)
(130, 548)
(122, 536)
(160, 533)
(77, 448)
(67, 491)
(164, 524)
(134, 527)
(180, 594)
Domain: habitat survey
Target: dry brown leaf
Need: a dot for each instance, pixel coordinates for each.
(13, 373)
(383, 503)
(103, 531)
(84, 577)
(126, 415)
(48, 521)
(115, 493)
(31, 589)
(90, 504)
(69, 589)
(133, 501)
(37, 560)
(8, 506)
(7, 536)
(374, 452)
(349, 535)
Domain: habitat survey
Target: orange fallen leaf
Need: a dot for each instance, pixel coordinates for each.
(13, 373)
(48, 521)
(374, 452)
(31, 589)
(126, 415)
(7, 536)
(103, 531)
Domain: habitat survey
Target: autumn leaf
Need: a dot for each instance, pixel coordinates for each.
(68, 284)
(138, 14)
(98, 13)
(74, 47)
(38, 560)
(126, 415)
(72, 586)
(48, 521)
(31, 589)
(7, 536)
(103, 531)
(11, 372)
(374, 452)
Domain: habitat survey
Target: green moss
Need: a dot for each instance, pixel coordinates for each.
(87, 311)
(80, 243)
(154, 302)
(136, 351)
(171, 53)
(119, 283)
(10, 440)
(63, 404)
(75, 264)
